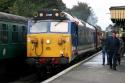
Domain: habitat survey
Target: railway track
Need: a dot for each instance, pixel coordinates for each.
(27, 79)
(68, 69)
(39, 76)
(46, 76)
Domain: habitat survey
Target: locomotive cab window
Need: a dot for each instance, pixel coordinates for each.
(59, 27)
(3, 33)
(39, 26)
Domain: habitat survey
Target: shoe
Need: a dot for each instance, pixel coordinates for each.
(103, 64)
(107, 63)
(114, 68)
(110, 67)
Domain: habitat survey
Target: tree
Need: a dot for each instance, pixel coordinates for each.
(92, 19)
(5, 5)
(28, 7)
(84, 12)
(22, 7)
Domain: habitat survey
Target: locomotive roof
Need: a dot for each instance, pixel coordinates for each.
(6, 16)
(68, 16)
(89, 26)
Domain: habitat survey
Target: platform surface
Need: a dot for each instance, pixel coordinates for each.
(93, 71)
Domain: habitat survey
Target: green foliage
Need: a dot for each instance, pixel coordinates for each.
(28, 7)
(5, 4)
(92, 19)
(81, 11)
(22, 7)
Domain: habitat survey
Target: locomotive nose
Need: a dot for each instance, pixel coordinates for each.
(49, 45)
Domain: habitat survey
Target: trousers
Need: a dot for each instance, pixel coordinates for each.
(104, 54)
(112, 58)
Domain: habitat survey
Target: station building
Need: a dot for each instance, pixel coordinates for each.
(118, 18)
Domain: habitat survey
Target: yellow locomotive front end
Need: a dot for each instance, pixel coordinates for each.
(45, 47)
(49, 42)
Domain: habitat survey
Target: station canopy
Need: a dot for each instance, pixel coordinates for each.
(117, 13)
(118, 18)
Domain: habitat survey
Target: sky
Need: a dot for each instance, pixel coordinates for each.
(100, 8)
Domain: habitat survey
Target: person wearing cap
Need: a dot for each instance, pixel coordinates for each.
(113, 46)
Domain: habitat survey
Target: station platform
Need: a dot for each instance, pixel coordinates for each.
(93, 71)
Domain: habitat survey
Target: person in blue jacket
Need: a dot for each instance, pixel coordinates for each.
(104, 50)
(113, 46)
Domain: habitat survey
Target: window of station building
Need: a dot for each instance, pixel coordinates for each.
(15, 34)
(3, 33)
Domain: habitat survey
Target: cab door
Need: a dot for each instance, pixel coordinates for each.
(74, 35)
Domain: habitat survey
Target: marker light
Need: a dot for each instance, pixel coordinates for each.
(48, 41)
(41, 14)
(56, 14)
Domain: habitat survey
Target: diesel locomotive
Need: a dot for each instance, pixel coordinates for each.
(56, 37)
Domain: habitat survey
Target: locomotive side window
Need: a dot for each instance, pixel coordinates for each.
(59, 27)
(90, 36)
(39, 27)
(85, 41)
(3, 33)
(86, 36)
(81, 36)
(14, 34)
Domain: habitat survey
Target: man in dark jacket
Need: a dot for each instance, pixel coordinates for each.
(113, 46)
(121, 49)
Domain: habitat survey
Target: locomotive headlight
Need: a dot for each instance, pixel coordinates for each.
(41, 14)
(56, 14)
(48, 41)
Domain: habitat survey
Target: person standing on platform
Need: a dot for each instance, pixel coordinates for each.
(121, 49)
(113, 46)
(104, 50)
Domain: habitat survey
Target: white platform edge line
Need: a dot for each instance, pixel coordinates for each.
(68, 69)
